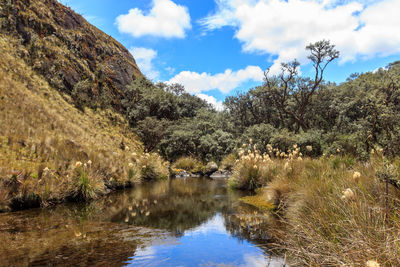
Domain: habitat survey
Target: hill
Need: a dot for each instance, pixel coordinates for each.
(72, 55)
(50, 150)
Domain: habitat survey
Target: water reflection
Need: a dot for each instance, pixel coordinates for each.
(180, 222)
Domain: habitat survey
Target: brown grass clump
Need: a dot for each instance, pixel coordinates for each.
(43, 136)
(336, 211)
(253, 170)
(152, 167)
(228, 162)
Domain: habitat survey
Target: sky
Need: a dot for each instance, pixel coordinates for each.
(217, 48)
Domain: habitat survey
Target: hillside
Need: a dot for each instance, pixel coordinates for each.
(51, 151)
(72, 55)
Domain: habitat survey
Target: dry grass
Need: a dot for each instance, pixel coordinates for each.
(42, 136)
(335, 210)
(228, 162)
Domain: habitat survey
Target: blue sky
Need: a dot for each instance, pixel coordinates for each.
(218, 47)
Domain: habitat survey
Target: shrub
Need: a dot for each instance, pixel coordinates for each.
(87, 186)
(228, 162)
(283, 140)
(310, 143)
(152, 167)
(251, 171)
(188, 164)
(261, 134)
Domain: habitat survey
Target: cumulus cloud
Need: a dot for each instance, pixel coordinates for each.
(359, 29)
(144, 59)
(218, 105)
(165, 19)
(195, 82)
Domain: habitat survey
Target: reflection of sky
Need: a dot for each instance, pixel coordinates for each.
(206, 245)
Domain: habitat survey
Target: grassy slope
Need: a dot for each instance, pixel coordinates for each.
(40, 128)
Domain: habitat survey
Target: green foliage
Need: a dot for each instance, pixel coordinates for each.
(261, 135)
(189, 164)
(151, 131)
(81, 94)
(87, 188)
(201, 137)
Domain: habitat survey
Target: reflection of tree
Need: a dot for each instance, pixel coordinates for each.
(180, 206)
(254, 226)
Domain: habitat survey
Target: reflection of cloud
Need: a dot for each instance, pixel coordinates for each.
(214, 225)
(256, 260)
(146, 253)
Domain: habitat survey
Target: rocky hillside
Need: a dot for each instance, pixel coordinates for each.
(72, 55)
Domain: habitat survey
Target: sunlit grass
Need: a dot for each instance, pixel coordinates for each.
(43, 135)
(335, 209)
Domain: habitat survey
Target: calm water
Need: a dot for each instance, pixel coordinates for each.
(180, 222)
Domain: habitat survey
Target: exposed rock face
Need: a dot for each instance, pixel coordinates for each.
(63, 47)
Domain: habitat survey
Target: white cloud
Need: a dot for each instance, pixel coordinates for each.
(144, 58)
(361, 29)
(165, 19)
(225, 82)
(218, 105)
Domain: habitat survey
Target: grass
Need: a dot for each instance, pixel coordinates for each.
(188, 164)
(43, 136)
(228, 162)
(335, 210)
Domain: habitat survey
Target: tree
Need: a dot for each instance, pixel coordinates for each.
(292, 94)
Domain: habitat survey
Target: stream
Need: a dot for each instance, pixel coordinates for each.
(178, 222)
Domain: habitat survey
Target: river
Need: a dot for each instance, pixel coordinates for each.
(178, 222)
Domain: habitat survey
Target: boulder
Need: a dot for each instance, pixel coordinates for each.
(211, 168)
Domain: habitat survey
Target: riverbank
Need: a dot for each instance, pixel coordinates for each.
(336, 210)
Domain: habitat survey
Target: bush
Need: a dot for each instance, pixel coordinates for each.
(310, 143)
(88, 187)
(283, 140)
(252, 170)
(151, 131)
(188, 164)
(261, 135)
(228, 162)
(152, 167)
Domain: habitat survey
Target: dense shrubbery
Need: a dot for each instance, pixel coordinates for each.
(354, 117)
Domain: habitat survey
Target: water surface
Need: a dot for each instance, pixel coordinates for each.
(180, 222)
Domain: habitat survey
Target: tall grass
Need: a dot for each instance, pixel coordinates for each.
(336, 211)
(43, 135)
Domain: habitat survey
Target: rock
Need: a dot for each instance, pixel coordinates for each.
(211, 168)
